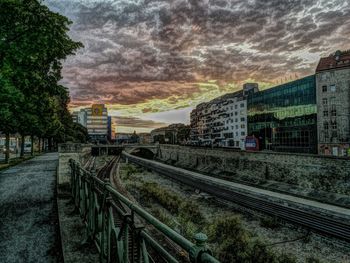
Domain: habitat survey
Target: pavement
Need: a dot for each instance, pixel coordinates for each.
(29, 230)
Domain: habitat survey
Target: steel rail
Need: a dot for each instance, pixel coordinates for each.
(317, 222)
(95, 199)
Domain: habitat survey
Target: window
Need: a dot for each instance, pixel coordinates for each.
(325, 113)
(236, 113)
(326, 136)
(242, 126)
(236, 106)
(242, 133)
(333, 111)
(333, 88)
(324, 88)
(242, 105)
(325, 125)
(334, 125)
(324, 101)
(242, 119)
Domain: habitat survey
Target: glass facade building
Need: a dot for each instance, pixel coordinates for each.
(284, 117)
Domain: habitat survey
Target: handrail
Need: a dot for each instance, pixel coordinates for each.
(114, 232)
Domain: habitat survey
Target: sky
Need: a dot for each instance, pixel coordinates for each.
(152, 61)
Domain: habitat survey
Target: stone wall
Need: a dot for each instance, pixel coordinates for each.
(66, 151)
(306, 171)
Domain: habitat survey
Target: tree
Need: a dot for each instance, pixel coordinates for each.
(33, 42)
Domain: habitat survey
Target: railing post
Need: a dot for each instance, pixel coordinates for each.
(199, 248)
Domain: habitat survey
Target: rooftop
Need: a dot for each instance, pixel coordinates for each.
(340, 59)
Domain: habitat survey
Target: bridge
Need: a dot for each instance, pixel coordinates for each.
(104, 149)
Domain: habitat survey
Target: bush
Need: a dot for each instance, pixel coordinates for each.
(269, 222)
(235, 244)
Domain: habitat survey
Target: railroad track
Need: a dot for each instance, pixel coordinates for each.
(106, 173)
(314, 221)
(90, 163)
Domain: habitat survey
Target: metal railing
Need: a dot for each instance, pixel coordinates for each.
(120, 228)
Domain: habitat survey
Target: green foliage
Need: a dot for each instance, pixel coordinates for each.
(312, 259)
(33, 43)
(269, 222)
(235, 244)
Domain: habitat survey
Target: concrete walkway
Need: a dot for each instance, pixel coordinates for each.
(28, 212)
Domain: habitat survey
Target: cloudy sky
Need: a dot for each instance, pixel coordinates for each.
(152, 61)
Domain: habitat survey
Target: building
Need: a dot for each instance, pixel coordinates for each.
(168, 134)
(125, 138)
(222, 121)
(97, 123)
(80, 117)
(111, 129)
(333, 104)
(145, 138)
(284, 117)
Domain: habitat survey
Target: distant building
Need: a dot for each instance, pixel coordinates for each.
(222, 121)
(166, 134)
(145, 138)
(111, 129)
(333, 104)
(97, 122)
(80, 117)
(283, 118)
(122, 138)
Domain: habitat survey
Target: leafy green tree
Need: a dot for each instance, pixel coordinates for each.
(33, 43)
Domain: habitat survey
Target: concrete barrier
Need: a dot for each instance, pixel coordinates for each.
(76, 151)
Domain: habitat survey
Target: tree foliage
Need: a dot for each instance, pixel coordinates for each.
(33, 44)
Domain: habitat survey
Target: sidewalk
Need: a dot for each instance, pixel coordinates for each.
(29, 229)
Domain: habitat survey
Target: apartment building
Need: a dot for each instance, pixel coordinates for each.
(333, 104)
(222, 121)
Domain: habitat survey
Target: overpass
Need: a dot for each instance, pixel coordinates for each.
(145, 149)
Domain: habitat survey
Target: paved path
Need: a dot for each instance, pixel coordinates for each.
(28, 212)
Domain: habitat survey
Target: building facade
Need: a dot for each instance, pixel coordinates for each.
(222, 121)
(80, 117)
(284, 117)
(97, 122)
(333, 104)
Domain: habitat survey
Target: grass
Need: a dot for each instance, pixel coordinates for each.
(230, 241)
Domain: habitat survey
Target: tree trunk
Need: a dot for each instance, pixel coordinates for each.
(22, 146)
(39, 146)
(43, 145)
(32, 145)
(7, 148)
(49, 142)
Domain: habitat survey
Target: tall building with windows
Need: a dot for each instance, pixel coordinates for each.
(80, 117)
(283, 118)
(223, 120)
(333, 104)
(97, 122)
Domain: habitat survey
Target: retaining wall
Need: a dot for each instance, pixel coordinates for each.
(77, 151)
(303, 170)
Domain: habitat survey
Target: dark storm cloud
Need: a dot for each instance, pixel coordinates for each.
(139, 50)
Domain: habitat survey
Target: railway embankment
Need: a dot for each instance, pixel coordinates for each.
(325, 179)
